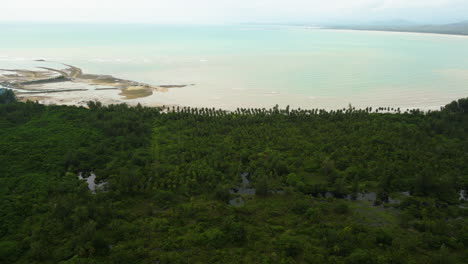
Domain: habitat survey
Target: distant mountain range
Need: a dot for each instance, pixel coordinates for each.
(460, 28)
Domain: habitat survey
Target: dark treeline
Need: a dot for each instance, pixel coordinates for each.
(168, 172)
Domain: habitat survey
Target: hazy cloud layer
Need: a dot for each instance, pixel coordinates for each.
(232, 11)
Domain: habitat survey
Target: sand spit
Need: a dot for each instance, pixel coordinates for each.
(71, 86)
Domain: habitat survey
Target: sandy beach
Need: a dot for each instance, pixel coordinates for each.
(70, 86)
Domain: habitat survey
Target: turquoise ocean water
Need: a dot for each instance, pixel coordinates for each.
(256, 66)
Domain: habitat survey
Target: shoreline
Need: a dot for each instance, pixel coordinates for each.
(394, 31)
(75, 98)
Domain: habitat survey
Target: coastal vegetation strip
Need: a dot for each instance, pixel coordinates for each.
(460, 28)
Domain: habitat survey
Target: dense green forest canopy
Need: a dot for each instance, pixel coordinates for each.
(170, 173)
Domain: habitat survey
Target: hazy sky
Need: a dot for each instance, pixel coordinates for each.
(233, 11)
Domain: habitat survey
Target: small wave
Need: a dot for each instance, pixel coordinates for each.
(33, 59)
(103, 60)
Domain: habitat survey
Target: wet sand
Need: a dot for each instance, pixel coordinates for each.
(70, 86)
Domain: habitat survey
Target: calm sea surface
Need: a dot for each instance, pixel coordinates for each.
(256, 66)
